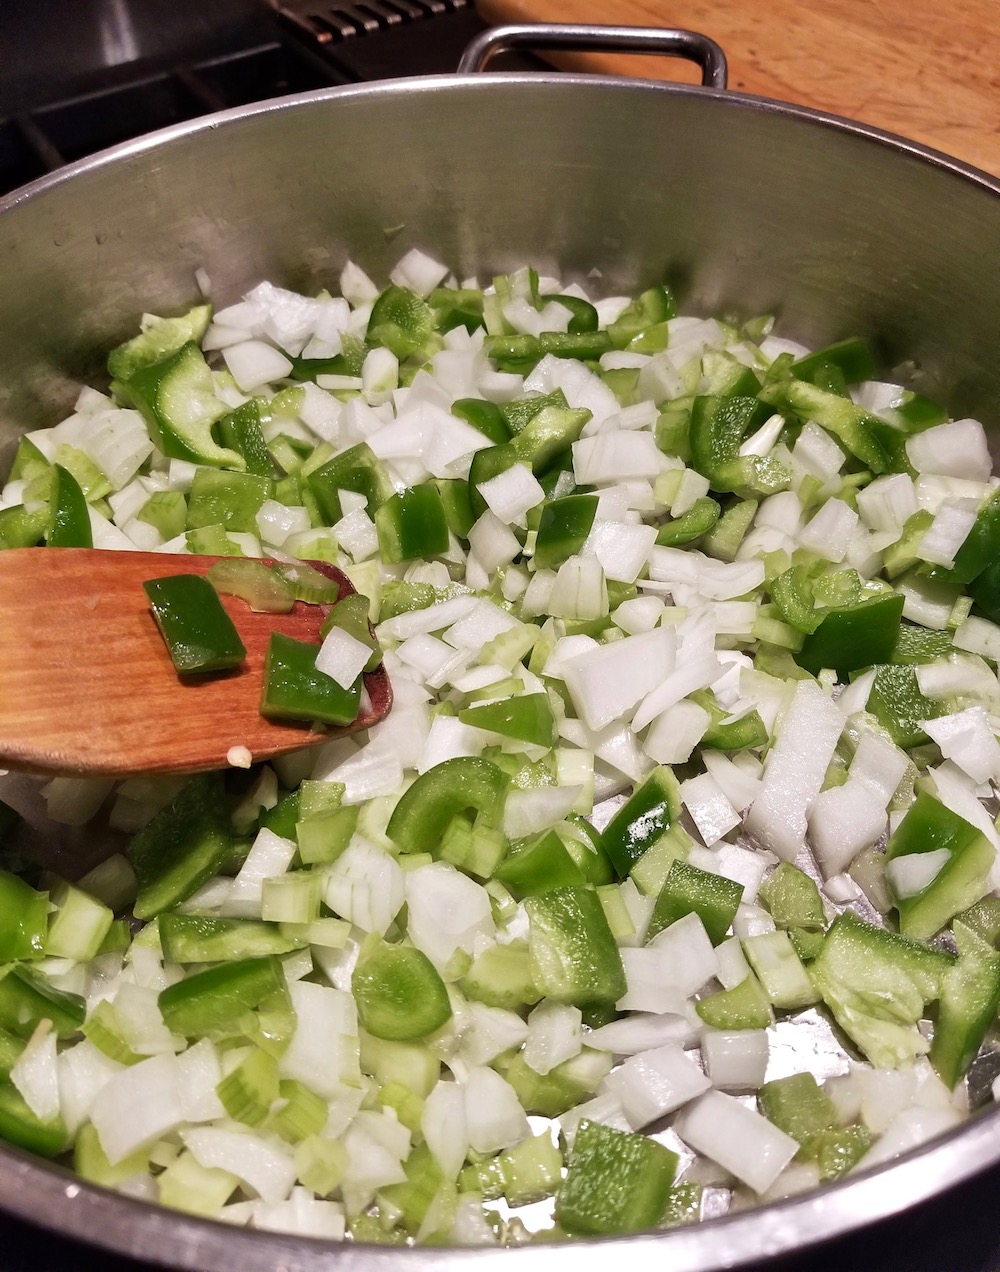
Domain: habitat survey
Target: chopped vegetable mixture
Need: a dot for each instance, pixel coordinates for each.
(693, 634)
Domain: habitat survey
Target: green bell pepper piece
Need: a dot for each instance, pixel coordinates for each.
(851, 357)
(985, 591)
(527, 718)
(295, 690)
(399, 994)
(853, 636)
(351, 613)
(748, 731)
(688, 890)
(457, 503)
(176, 399)
(724, 539)
(166, 510)
(358, 469)
(851, 425)
(699, 519)
(457, 307)
(426, 808)
(877, 984)
(198, 632)
(616, 1182)
(412, 525)
(521, 353)
(20, 528)
(484, 416)
(403, 322)
(199, 938)
(797, 1105)
(792, 899)
(745, 1006)
(551, 1094)
(27, 998)
(547, 435)
(215, 1001)
(160, 338)
(928, 827)
(519, 412)
(652, 307)
(574, 958)
(921, 645)
(181, 847)
(899, 706)
(970, 996)
(227, 499)
(20, 1126)
(563, 528)
(241, 431)
(584, 315)
(501, 977)
(647, 814)
(69, 516)
(540, 866)
(24, 919)
(719, 424)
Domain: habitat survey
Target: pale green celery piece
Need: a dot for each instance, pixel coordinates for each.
(91, 480)
(292, 898)
(411, 1064)
(320, 1163)
(776, 632)
(509, 648)
(111, 881)
(616, 911)
(330, 933)
(780, 970)
(90, 1161)
(959, 612)
(198, 1190)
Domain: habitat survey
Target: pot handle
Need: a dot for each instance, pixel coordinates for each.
(623, 39)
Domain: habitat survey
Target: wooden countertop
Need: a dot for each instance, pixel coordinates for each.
(923, 69)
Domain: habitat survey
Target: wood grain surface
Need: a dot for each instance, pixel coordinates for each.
(927, 70)
(87, 686)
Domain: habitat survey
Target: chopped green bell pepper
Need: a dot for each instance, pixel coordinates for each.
(688, 890)
(563, 529)
(69, 516)
(294, 689)
(574, 958)
(412, 525)
(929, 827)
(426, 808)
(616, 1182)
(399, 994)
(647, 814)
(970, 996)
(198, 632)
(176, 399)
(850, 637)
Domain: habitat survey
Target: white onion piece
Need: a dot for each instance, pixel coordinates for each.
(738, 1138)
(956, 449)
(910, 874)
(654, 1083)
(796, 765)
(735, 1060)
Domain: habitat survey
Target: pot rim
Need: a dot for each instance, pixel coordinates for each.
(52, 1197)
(489, 81)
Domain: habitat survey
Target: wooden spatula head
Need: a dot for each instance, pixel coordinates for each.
(87, 686)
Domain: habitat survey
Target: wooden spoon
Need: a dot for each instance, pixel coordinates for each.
(87, 686)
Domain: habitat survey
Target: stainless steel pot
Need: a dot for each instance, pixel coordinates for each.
(745, 205)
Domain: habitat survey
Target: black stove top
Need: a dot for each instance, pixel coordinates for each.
(79, 75)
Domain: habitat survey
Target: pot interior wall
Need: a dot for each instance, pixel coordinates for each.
(742, 206)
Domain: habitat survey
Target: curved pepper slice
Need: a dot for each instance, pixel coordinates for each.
(175, 397)
(422, 816)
